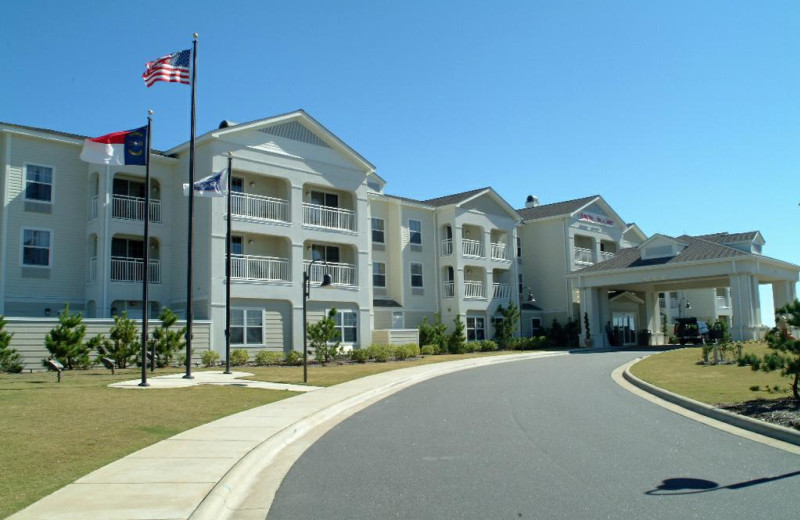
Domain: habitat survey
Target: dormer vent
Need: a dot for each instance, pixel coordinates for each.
(531, 201)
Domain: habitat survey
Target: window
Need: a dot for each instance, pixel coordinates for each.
(536, 326)
(346, 324)
(519, 248)
(247, 327)
(38, 183)
(329, 254)
(476, 329)
(127, 248)
(237, 245)
(415, 232)
(377, 230)
(321, 198)
(128, 188)
(521, 283)
(237, 185)
(378, 274)
(35, 247)
(416, 275)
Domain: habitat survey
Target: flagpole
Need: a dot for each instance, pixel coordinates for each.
(228, 272)
(146, 257)
(189, 281)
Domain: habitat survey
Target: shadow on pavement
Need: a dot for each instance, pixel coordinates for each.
(690, 486)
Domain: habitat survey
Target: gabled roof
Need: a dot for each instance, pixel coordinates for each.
(460, 198)
(556, 209)
(456, 198)
(732, 238)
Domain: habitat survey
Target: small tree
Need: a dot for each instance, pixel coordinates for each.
(457, 340)
(65, 342)
(10, 359)
(507, 328)
(787, 348)
(325, 338)
(167, 342)
(433, 333)
(586, 332)
(123, 345)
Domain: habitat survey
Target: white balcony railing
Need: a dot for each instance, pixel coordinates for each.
(265, 268)
(132, 208)
(448, 290)
(499, 251)
(92, 278)
(501, 291)
(447, 247)
(125, 269)
(584, 256)
(93, 208)
(471, 247)
(474, 290)
(341, 274)
(259, 207)
(606, 255)
(723, 302)
(329, 217)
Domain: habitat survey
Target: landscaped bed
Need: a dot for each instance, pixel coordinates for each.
(765, 396)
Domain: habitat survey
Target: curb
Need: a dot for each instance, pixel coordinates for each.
(224, 499)
(774, 431)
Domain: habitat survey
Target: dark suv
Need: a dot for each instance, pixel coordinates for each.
(690, 330)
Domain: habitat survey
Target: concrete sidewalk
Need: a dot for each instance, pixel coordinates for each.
(209, 471)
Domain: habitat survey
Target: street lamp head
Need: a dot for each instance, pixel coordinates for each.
(326, 281)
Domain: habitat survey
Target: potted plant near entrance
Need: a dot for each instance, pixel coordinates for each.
(587, 340)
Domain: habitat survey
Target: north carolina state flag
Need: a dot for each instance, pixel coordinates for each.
(119, 148)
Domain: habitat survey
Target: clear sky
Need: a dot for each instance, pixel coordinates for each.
(683, 114)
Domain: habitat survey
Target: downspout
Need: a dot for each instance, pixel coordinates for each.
(4, 243)
(568, 258)
(436, 253)
(106, 246)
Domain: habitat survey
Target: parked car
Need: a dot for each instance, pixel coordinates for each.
(691, 330)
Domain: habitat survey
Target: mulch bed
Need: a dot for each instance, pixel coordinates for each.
(784, 412)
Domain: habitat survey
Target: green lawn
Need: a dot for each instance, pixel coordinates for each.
(678, 371)
(54, 433)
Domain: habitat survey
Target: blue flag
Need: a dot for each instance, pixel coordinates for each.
(215, 185)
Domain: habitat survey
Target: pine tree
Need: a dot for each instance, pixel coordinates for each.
(10, 359)
(167, 342)
(787, 348)
(65, 342)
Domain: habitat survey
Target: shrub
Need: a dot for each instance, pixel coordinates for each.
(123, 343)
(209, 358)
(413, 349)
(65, 342)
(239, 357)
(507, 327)
(786, 348)
(755, 388)
(469, 347)
(293, 357)
(324, 338)
(166, 342)
(706, 350)
(487, 346)
(10, 359)
(748, 360)
(433, 333)
(429, 350)
(380, 353)
(268, 357)
(359, 355)
(401, 353)
(771, 361)
(456, 341)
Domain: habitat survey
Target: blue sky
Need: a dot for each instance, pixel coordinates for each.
(684, 115)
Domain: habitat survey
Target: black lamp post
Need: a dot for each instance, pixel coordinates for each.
(326, 282)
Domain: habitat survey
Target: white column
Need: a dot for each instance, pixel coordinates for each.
(653, 314)
(589, 307)
(782, 293)
(756, 297)
(742, 306)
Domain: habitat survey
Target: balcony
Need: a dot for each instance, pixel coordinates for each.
(584, 257)
(124, 207)
(261, 268)
(447, 247)
(501, 291)
(93, 208)
(500, 252)
(259, 207)
(474, 290)
(472, 248)
(329, 217)
(92, 278)
(341, 274)
(448, 290)
(124, 269)
(606, 255)
(723, 302)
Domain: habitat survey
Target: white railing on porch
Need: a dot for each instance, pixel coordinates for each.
(499, 251)
(471, 247)
(259, 207)
(584, 256)
(125, 269)
(448, 290)
(132, 208)
(328, 217)
(723, 302)
(606, 255)
(447, 247)
(501, 291)
(248, 267)
(474, 290)
(93, 208)
(92, 269)
(341, 274)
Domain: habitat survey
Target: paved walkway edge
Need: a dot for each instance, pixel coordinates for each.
(774, 431)
(224, 499)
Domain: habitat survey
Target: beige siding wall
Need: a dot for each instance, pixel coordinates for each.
(396, 336)
(545, 263)
(29, 335)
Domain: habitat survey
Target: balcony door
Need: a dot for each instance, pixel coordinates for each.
(321, 198)
(127, 248)
(128, 188)
(329, 254)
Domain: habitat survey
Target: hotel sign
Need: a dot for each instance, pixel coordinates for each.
(595, 218)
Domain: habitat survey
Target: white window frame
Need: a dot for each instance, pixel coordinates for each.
(474, 328)
(375, 273)
(49, 248)
(52, 183)
(416, 275)
(412, 232)
(382, 230)
(339, 319)
(245, 311)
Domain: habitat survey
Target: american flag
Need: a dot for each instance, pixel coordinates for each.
(173, 68)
